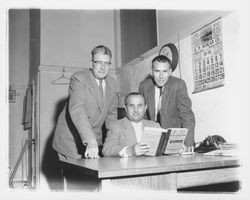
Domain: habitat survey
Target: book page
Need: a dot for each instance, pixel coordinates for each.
(152, 136)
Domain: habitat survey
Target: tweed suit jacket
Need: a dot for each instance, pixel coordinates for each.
(176, 107)
(84, 114)
(122, 134)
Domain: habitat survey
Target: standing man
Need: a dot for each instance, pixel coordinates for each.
(167, 98)
(92, 101)
(124, 136)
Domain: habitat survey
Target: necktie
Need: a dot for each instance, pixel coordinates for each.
(158, 119)
(101, 88)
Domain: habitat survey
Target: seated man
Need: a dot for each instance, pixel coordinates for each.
(124, 136)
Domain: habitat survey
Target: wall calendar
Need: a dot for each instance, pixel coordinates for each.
(207, 54)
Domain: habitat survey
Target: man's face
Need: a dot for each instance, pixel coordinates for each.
(161, 72)
(135, 108)
(101, 65)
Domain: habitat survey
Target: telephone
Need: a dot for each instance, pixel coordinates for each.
(210, 143)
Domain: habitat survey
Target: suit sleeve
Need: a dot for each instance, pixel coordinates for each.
(77, 101)
(112, 145)
(184, 106)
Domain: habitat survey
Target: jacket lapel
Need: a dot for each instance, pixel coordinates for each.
(129, 131)
(151, 101)
(165, 95)
(143, 125)
(107, 93)
(95, 90)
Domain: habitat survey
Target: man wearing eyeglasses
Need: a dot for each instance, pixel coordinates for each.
(92, 101)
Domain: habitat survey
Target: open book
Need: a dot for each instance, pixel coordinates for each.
(164, 141)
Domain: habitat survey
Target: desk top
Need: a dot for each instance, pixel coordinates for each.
(109, 167)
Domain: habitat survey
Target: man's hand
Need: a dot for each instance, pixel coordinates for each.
(92, 150)
(186, 150)
(138, 149)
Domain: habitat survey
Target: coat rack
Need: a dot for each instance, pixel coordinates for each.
(62, 80)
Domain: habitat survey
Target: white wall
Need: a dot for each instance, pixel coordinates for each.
(217, 110)
(68, 36)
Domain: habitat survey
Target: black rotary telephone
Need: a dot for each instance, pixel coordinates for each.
(210, 143)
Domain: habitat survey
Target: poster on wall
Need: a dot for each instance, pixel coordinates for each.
(207, 54)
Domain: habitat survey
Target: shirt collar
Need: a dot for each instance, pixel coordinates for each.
(137, 123)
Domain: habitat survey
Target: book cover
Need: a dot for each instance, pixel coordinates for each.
(176, 140)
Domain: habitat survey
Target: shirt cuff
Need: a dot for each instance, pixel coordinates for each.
(123, 153)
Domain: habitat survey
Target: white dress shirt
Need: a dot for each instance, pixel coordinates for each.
(103, 84)
(138, 130)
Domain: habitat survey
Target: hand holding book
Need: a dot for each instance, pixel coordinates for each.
(138, 149)
(187, 150)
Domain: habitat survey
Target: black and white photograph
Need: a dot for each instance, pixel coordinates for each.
(107, 100)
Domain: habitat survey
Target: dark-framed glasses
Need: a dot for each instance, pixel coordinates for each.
(100, 63)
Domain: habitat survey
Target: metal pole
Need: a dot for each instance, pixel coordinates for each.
(18, 163)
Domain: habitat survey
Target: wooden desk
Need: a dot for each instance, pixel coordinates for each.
(159, 173)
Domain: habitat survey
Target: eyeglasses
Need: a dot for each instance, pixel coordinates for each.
(100, 63)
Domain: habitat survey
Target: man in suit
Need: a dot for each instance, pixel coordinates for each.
(124, 136)
(92, 101)
(167, 99)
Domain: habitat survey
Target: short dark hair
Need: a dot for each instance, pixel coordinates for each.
(135, 94)
(101, 49)
(163, 59)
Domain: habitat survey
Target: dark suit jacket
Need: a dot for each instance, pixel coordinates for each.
(84, 114)
(122, 134)
(176, 111)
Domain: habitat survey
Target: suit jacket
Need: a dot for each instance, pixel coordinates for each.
(122, 134)
(176, 107)
(84, 114)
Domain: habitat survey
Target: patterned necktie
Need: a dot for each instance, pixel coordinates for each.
(158, 119)
(101, 87)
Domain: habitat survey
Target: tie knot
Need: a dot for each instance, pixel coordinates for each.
(100, 81)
